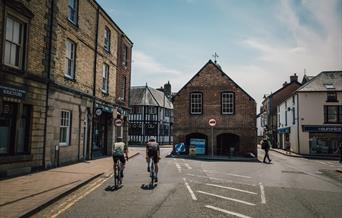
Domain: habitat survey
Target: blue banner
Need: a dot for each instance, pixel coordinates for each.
(199, 144)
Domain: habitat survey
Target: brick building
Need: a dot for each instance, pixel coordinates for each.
(78, 63)
(268, 109)
(211, 94)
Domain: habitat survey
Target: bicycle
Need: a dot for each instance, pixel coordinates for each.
(117, 173)
(152, 170)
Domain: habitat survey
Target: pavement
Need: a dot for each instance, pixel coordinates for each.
(25, 195)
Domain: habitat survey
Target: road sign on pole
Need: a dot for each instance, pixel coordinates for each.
(212, 123)
(118, 122)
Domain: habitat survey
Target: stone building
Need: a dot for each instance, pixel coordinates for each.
(211, 94)
(151, 115)
(23, 67)
(70, 65)
(268, 109)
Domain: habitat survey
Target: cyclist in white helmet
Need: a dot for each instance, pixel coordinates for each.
(152, 150)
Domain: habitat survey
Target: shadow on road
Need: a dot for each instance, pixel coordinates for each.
(148, 186)
(112, 188)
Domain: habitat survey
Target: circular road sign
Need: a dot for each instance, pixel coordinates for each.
(118, 122)
(98, 111)
(212, 122)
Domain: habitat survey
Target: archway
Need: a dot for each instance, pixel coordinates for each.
(199, 140)
(227, 144)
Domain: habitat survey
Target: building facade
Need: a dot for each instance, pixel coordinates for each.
(151, 115)
(268, 110)
(73, 51)
(310, 121)
(211, 94)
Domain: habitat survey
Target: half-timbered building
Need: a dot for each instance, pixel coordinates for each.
(151, 115)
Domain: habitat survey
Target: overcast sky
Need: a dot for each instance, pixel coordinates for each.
(260, 43)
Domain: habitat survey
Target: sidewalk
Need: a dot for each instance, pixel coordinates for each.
(23, 194)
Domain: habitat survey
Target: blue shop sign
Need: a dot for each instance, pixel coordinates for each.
(105, 108)
(323, 129)
(284, 130)
(12, 91)
(199, 144)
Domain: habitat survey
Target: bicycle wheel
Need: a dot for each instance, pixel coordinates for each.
(115, 175)
(152, 169)
(119, 173)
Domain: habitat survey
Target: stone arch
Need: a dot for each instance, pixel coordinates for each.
(227, 144)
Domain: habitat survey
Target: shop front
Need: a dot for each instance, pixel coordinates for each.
(284, 138)
(324, 140)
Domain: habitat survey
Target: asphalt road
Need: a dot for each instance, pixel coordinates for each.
(289, 187)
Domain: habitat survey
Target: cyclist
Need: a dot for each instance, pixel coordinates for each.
(120, 149)
(152, 151)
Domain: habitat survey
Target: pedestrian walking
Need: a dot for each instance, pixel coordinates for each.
(266, 146)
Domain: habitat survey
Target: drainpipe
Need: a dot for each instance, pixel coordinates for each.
(79, 131)
(94, 84)
(49, 58)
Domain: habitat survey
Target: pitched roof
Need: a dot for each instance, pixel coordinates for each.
(324, 81)
(220, 70)
(144, 95)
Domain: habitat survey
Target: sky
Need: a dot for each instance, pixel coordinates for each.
(260, 43)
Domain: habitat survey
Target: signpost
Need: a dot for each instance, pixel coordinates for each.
(212, 123)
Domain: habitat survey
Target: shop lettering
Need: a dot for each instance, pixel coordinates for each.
(329, 129)
(9, 91)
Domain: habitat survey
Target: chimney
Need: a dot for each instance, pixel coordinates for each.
(293, 78)
(167, 89)
(284, 84)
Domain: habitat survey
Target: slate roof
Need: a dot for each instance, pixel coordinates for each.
(144, 95)
(325, 81)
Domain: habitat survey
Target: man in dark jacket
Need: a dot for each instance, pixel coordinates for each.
(266, 146)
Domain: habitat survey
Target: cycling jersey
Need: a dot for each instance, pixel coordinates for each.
(152, 151)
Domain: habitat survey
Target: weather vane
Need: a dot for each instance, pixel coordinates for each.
(215, 56)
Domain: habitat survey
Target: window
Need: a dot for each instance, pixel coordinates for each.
(72, 11)
(107, 39)
(69, 68)
(105, 78)
(196, 102)
(137, 110)
(293, 99)
(333, 113)
(125, 55)
(227, 103)
(331, 97)
(167, 112)
(293, 116)
(123, 88)
(152, 110)
(64, 134)
(14, 43)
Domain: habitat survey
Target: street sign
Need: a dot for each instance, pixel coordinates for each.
(118, 122)
(212, 122)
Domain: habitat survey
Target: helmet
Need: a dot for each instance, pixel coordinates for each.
(152, 139)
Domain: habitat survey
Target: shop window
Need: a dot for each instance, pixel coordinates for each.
(70, 54)
(332, 114)
(14, 43)
(135, 129)
(227, 103)
(331, 96)
(64, 134)
(72, 11)
(196, 101)
(105, 78)
(10, 143)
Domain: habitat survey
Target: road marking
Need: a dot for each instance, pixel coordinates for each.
(188, 166)
(193, 196)
(227, 211)
(226, 198)
(96, 185)
(229, 174)
(231, 188)
(222, 180)
(178, 167)
(262, 191)
(328, 164)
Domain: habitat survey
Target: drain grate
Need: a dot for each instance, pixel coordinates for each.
(289, 171)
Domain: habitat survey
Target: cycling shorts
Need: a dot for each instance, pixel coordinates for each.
(119, 157)
(154, 154)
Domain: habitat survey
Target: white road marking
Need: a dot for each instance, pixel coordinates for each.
(222, 180)
(262, 192)
(226, 198)
(229, 174)
(97, 184)
(178, 167)
(231, 188)
(188, 166)
(227, 211)
(193, 196)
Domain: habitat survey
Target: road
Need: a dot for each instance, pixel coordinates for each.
(289, 187)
